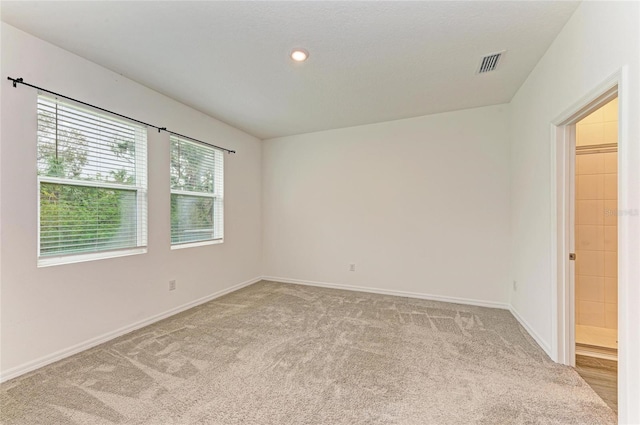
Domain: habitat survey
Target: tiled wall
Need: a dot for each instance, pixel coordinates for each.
(596, 221)
(600, 127)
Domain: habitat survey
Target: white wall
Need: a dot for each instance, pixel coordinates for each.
(420, 205)
(49, 310)
(600, 39)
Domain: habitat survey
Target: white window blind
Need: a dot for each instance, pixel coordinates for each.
(196, 192)
(92, 181)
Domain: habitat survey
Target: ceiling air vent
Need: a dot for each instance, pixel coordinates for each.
(490, 62)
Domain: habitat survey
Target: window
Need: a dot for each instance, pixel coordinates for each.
(92, 184)
(196, 193)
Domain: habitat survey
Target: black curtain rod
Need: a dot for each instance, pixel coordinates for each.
(17, 81)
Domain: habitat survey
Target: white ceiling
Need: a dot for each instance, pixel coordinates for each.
(369, 61)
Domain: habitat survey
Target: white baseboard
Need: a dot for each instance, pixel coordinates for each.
(419, 295)
(541, 342)
(67, 352)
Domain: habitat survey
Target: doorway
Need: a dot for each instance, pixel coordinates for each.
(596, 250)
(596, 233)
(578, 304)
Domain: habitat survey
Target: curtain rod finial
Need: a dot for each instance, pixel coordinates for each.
(15, 81)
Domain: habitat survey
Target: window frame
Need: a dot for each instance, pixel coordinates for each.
(217, 197)
(140, 188)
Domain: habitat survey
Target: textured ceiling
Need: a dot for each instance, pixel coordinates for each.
(369, 61)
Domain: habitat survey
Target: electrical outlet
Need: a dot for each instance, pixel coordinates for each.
(172, 285)
(352, 267)
(515, 285)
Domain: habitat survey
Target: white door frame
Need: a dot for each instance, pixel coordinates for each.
(563, 206)
(562, 152)
(563, 214)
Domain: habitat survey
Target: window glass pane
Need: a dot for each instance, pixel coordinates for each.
(196, 192)
(192, 166)
(191, 218)
(79, 219)
(80, 145)
(92, 175)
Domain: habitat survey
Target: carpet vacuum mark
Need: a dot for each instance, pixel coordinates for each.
(275, 353)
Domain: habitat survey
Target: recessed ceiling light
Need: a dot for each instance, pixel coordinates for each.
(299, 55)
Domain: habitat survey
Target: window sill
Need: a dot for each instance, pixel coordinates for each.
(80, 258)
(196, 244)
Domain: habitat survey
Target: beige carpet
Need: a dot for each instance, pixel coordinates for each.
(285, 354)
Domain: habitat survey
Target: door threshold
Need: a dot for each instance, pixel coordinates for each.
(597, 352)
